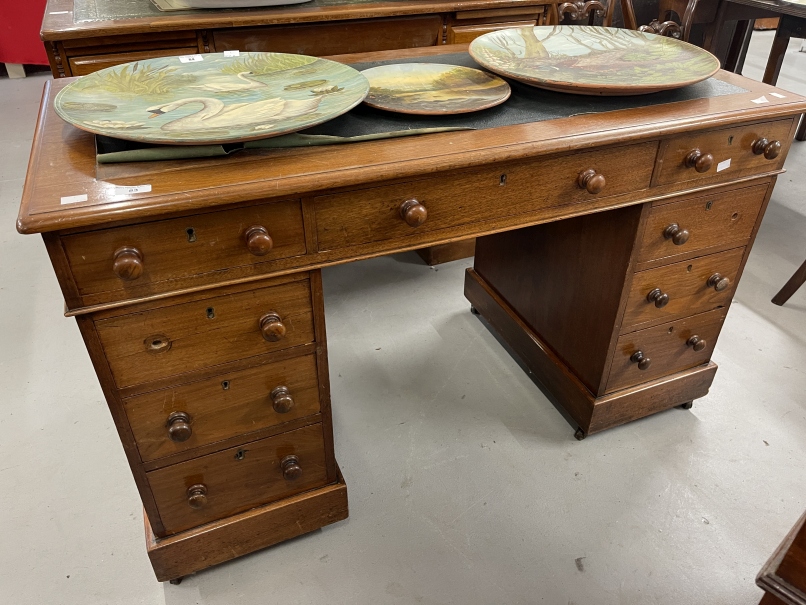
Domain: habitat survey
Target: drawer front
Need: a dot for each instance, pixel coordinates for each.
(239, 478)
(731, 151)
(191, 415)
(185, 246)
(665, 349)
(368, 215)
(167, 341)
(334, 38)
(725, 218)
(687, 286)
(87, 64)
(464, 34)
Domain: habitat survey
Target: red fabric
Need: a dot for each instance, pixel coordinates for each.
(20, 22)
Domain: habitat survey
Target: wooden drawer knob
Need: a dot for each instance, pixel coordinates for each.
(258, 241)
(718, 282)
(179, 427)
(658, 297)
(281, 400)
(197, 495)
(128, 263)
(770, 149)
(272, 327)
(676, 234)
(413, 212)
(291, 468)
(696, 343)
(699, 161)
(591, 181)
(643, 361)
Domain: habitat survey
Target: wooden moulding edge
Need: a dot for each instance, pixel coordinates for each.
(591, 414)
(220, 541)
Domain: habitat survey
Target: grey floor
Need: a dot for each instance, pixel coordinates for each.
(466, 485)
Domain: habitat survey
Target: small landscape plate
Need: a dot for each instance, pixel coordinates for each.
(211, 98)
(589, 60)
(433, 89)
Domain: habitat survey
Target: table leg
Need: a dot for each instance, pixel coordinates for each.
(801, 134)
(734, 61)
(795, 282)
(789, 27)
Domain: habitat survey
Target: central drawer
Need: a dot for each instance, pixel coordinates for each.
(219, 485)
(192, 415)
(406, 209)
(156, 343)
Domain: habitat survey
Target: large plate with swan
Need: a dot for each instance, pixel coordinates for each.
(218, 99)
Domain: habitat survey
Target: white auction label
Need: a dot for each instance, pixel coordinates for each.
(723, 165)
(74, 199)
(761, 99)
(777, 95)
(231, 53)
(58, 12)
(131, 189)
(191, 58)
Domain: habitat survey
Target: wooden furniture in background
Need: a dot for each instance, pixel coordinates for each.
(793, 285)
(610, 247)
(783, 577)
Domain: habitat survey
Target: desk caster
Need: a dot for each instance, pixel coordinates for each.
(686, 406)
(177, 581)
(474, 310)
(579, 435)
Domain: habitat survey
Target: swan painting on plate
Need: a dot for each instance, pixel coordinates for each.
(214, 114)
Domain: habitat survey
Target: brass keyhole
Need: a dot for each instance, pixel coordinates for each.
(689, 268)
(730, 140)
(191, 234)
(734, 216)
(225, 385)
(503, 180)
(708, 205)
(240, 454)
(210, 313)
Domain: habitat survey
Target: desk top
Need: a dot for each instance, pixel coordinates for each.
(69, 19)
(774, 6)
(62, 163)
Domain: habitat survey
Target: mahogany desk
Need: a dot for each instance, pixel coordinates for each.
(610, 246)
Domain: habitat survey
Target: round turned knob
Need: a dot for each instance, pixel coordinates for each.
(258, 241)
(676, 234)
(642, 361)
(658, 297)
(291, 468)
(413, 212)
(179, 427)
(718, 282)
(591, 181)
(197, 495)
(699, 161)
(770, 149)
(272, 327)
(128, 263)
(281, 400)
(696, 343)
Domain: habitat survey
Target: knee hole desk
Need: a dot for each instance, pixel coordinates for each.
(610, 245)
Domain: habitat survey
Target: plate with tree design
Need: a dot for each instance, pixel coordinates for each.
(590, 60)
(211, 99)
(433, 88)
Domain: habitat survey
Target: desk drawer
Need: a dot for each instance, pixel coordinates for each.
(150, 253)
(686, 284)
(464, 34)
(664, 349)
(173, 339)
(239, 478)
(222, 407)
(730, 150)
(358, 217)
(719, 219)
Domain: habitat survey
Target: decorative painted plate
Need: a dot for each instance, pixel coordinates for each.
(433, 89)
(589, 60)
(215, 99)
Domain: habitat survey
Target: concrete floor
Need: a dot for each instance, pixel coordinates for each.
(466, 485)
